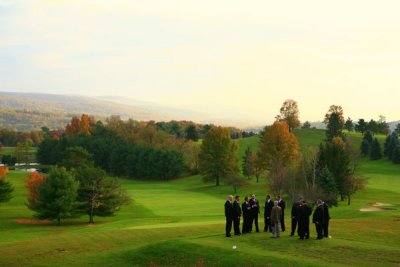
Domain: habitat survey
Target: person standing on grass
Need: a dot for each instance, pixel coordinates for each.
(326, 220)
(282, 204)
(237, 212)
(246, 211)
(296, 209)
(255, 210)
(318, 219)
(304, 220)
(228, 215)
(276, 218)
(269, 204)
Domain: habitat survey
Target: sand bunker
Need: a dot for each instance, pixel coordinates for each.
(378, 206)
(371, 209)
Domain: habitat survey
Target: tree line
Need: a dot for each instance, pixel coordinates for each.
(328, 172)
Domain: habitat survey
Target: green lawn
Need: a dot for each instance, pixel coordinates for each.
(181, 223)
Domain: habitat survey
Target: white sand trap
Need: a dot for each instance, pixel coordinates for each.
(379, 204)
(371, 209)
(376, 207)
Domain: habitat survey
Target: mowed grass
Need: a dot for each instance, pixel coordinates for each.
(181, 223)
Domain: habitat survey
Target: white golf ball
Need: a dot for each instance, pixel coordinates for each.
(234, 247)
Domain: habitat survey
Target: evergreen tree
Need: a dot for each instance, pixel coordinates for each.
(393, 143)
(368, 137)
(191, 133)
(306, 125)
(326, 182)
(349, 126)
(396, 155)
(5, 190)
(364, 147)
(376, 152)
(361, 126)
(57, 196)
(336, 156)
(334, 126)
(98, 196)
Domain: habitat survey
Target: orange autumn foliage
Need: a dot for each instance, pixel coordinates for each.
(3, 172)
(80, 126)
(32, 184)
(278, 146)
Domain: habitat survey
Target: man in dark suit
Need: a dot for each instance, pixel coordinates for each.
(237, 212)
(282, 204)
(255, 210)
(318, 218)
(228, 215)
(269, 204)
(295, 213)
(326, 220)
(304, 220)
(246, 211)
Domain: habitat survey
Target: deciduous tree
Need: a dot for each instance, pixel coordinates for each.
(290, 113)
(32, 184)
(218, 155)
(6, 188)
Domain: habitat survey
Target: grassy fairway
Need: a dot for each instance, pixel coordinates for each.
(181, 223)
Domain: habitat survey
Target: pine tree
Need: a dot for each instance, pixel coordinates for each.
(364, 147)
(5, 190)
(391, 147)
(396, 155)
(98, 196)
(368, 136)
(57, 196)
(376, 152)
(326, 182)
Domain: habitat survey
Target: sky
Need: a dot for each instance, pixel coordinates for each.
(231, 58)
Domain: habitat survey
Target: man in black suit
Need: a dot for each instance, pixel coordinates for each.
(255, 210)
(326, 220)
(304, 220)
(296, 210)
(269, 204)
(237, 212)
(246, 211)
(318, 218)
(282, 204)
(228, 215)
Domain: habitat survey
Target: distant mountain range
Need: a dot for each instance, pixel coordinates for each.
(27, 111)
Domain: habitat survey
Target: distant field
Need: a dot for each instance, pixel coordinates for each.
(181, 223)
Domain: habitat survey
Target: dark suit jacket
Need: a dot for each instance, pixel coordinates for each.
(296, 210)
(228, 210)
(326, 213)
(237, 212)
(318, 216)
(268, 208)
(245, 209)
(256, 208)
(282, 204)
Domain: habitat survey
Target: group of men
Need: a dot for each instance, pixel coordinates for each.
(274, 221)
